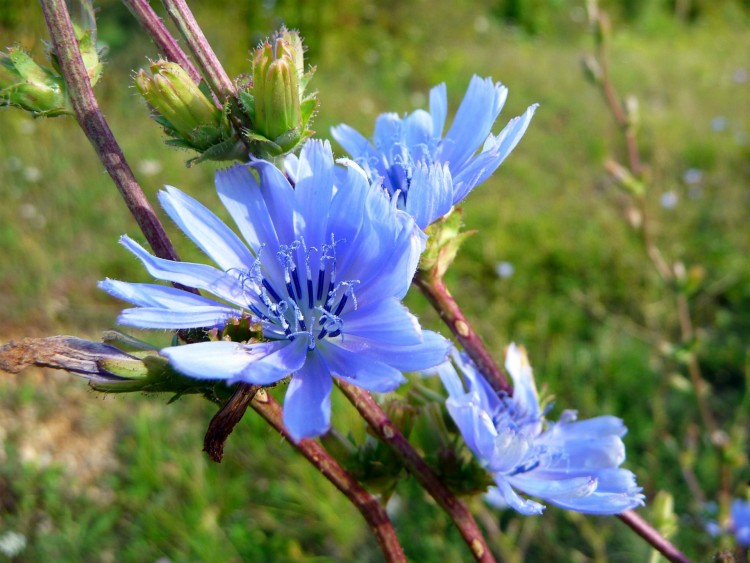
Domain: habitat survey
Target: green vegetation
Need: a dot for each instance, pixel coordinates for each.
(86, 477)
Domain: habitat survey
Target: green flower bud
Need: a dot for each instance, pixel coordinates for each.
(276, 103)
(183, 109)
(27, 85)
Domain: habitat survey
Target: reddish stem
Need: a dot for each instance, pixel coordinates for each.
(216, 76)
(652, 536)
(437, 293)
(164, 41)
(97, 129)
(371, 509)
(391, 435)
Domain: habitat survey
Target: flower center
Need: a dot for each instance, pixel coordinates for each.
(311, 300)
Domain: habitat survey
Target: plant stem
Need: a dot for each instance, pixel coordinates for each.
(369, 507)
(96, 128)
(215, 74)
(437, 293)
(164, 41)
(653, 537)
(392, 436)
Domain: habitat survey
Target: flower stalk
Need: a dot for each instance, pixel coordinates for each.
(215, 74)
(96, 128)
(433, 287)
(386, 431)
(151, 22)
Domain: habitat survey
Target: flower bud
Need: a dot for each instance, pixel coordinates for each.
(275, 103)
(184, 110)
(25, 84)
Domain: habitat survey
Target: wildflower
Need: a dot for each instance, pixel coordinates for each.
(740, 513)
(427, 174)
(322, 275)
(573, 464)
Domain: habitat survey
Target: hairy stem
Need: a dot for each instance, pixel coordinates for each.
(96, 128)
(369, 507)
(392, 436)
(164, 41)
(437, 293)
(215, 74)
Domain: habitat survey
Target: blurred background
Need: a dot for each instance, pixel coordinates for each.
(556, 266)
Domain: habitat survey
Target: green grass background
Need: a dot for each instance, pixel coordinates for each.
(91, 478)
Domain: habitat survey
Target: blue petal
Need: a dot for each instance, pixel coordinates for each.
(278, 196)
(291, 165)
(313, 192)
(384, 265)
(450, 379)
(526, 507)
(473, 122)
(601, 504)
(198, 276)
(184, 317)
(438, 108)
(418, 135)
(553, 489)
(388, 322)
(153, 295)
(361, 371)
(388, 132)
(242, 196)
(260, 363)
(431, 352)
(430, 193)
(307, 405)
(476, 383)
(206, 230)
(355, 144)
(524, 388)
(495, 151)
(476, 427)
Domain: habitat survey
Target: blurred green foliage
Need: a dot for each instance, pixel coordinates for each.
(86, 478)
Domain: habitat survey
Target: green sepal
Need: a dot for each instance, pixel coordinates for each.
(445, 239)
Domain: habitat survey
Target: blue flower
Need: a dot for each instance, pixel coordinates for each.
(427, 174)
(323, 271)
(740, 513)
(573, 464)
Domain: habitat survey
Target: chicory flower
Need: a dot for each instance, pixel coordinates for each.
(572, 464)
(425, 172)
(322, 271)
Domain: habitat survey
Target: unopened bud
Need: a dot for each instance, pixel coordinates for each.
(29, 86)
(184, 110)
(276, 103)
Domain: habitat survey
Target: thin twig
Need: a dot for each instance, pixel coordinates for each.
(653, 537)
(373, 512)
(392, 436)
(215, 74)
(151, 22)
(97, 129)
(437, 293)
